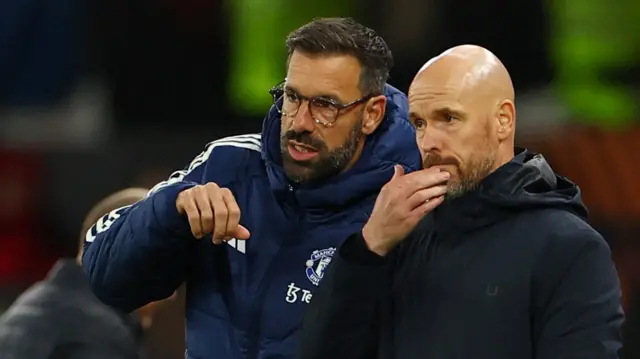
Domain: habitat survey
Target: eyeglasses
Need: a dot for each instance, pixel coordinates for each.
(323, 110)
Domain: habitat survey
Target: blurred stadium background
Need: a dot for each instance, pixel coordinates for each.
(100, 95)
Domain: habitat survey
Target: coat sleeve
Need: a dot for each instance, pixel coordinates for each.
(30, 328)
(577, 300)
(28, 339)
(140, 253)
(343, 318)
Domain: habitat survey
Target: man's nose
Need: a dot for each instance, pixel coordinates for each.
(302, 121)
(429, 140)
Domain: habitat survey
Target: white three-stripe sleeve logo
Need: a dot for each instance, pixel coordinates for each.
(251, 142)
(239, 245)
(103, 224)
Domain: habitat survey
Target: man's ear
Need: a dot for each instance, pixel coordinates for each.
(506, 119)
(373, 114)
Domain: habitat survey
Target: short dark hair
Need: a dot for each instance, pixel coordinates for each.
(345, 36)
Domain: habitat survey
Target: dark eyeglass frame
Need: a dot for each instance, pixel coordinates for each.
(278, 92)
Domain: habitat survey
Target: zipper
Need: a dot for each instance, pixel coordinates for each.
(253, 346)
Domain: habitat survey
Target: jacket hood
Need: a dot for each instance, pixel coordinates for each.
(525, 183)
(392, 143)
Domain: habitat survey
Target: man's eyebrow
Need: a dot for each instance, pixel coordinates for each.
(290, 88)
(445, 110)
(413, 115)
(327, 96)
(449, 110)
(332, 97)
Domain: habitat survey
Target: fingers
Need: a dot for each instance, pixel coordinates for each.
(212, 210)
(241, 233)
(221, 216)
(226, 215)
(425, 195)
(205, 215)
(426, 178)
(410, 188)
(233, 210)
(233, 229)
(428, 206)
(189, 207)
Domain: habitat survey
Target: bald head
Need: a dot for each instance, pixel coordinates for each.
(462, 103)
(125, 197)
(472, 68)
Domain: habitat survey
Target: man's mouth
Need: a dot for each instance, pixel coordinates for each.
(300, 152)
(302, 149)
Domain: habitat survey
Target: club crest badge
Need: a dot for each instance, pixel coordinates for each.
(317, 264)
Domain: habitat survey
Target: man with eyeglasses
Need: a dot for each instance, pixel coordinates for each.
(278, 200)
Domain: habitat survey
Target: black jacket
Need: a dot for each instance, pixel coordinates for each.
(60, 318)
(511, 270)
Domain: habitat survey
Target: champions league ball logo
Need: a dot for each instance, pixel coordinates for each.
(317, 264)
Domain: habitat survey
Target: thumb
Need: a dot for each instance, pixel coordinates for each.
(398, 171)
(242, 233)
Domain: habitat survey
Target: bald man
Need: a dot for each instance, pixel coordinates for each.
(61, 318)
(485, 253)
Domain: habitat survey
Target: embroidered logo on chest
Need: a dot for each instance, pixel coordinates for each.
(317, 264)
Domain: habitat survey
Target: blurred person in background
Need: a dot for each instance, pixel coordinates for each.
(328, 145)
(61, 318)
(486, 253)
(140, 321)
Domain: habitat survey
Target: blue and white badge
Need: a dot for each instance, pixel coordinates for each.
(317, 264)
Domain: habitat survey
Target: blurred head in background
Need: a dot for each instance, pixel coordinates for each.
(113, 202)
(332, 96)
(462, 106)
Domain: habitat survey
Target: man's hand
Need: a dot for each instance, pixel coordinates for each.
(211, 209)
(401, 204)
